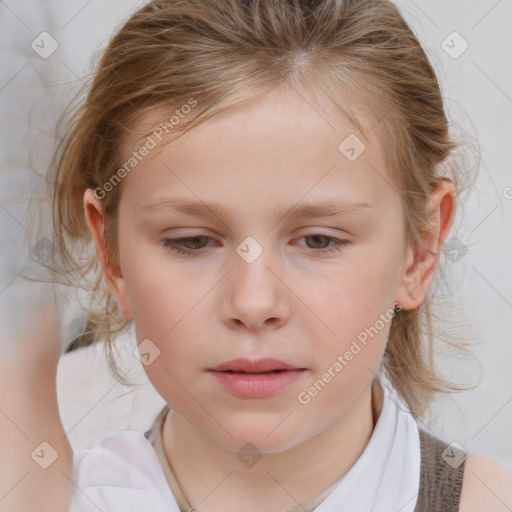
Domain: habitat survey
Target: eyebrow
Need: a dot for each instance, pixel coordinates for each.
(326, 208)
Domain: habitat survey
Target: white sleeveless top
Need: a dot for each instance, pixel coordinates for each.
(122, 473)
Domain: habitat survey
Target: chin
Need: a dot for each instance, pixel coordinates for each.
(266, 436)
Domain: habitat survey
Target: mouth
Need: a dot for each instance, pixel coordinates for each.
(262, 378)
(256, 373)
(243, 365)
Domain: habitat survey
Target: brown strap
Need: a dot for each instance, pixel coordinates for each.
(441, 473)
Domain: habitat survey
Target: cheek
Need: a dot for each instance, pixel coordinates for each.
(159, 293)
(169, 308)
(356, 304)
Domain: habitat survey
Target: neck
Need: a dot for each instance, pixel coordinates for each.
(212, 478)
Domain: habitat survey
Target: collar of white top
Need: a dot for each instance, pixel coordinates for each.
(386, 475)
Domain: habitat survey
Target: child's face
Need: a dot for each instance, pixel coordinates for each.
(326, 313)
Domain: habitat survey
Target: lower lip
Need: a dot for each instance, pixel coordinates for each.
(257, 385)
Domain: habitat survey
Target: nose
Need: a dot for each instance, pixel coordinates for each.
(255, 297)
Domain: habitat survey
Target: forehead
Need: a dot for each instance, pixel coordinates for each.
(281, 142)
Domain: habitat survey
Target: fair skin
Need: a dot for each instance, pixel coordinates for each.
(294, 302)
(33, 476)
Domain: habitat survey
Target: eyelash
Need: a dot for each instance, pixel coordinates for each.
(172, 244)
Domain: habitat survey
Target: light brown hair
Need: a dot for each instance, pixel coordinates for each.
(342, 55)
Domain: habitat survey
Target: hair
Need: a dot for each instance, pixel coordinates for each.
(195, 58)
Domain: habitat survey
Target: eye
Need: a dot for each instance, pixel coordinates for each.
(321, 239)
(196, 243)
(173, 244)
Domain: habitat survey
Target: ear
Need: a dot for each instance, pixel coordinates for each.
(111, 270)
(421, 262)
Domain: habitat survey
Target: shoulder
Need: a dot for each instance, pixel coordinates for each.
(120, 444)
(487, 485)
(119, 468)
(128, 450)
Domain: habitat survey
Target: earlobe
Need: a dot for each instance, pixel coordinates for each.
(421, 262)
(93, 208)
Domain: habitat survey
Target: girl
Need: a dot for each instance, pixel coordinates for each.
(265, 184)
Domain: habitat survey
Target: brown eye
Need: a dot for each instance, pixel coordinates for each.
(177, 244)
(320, 243)
(194, 244)
(319, 240)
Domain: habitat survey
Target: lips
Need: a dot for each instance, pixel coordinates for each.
(242, 365)
(261, 378)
